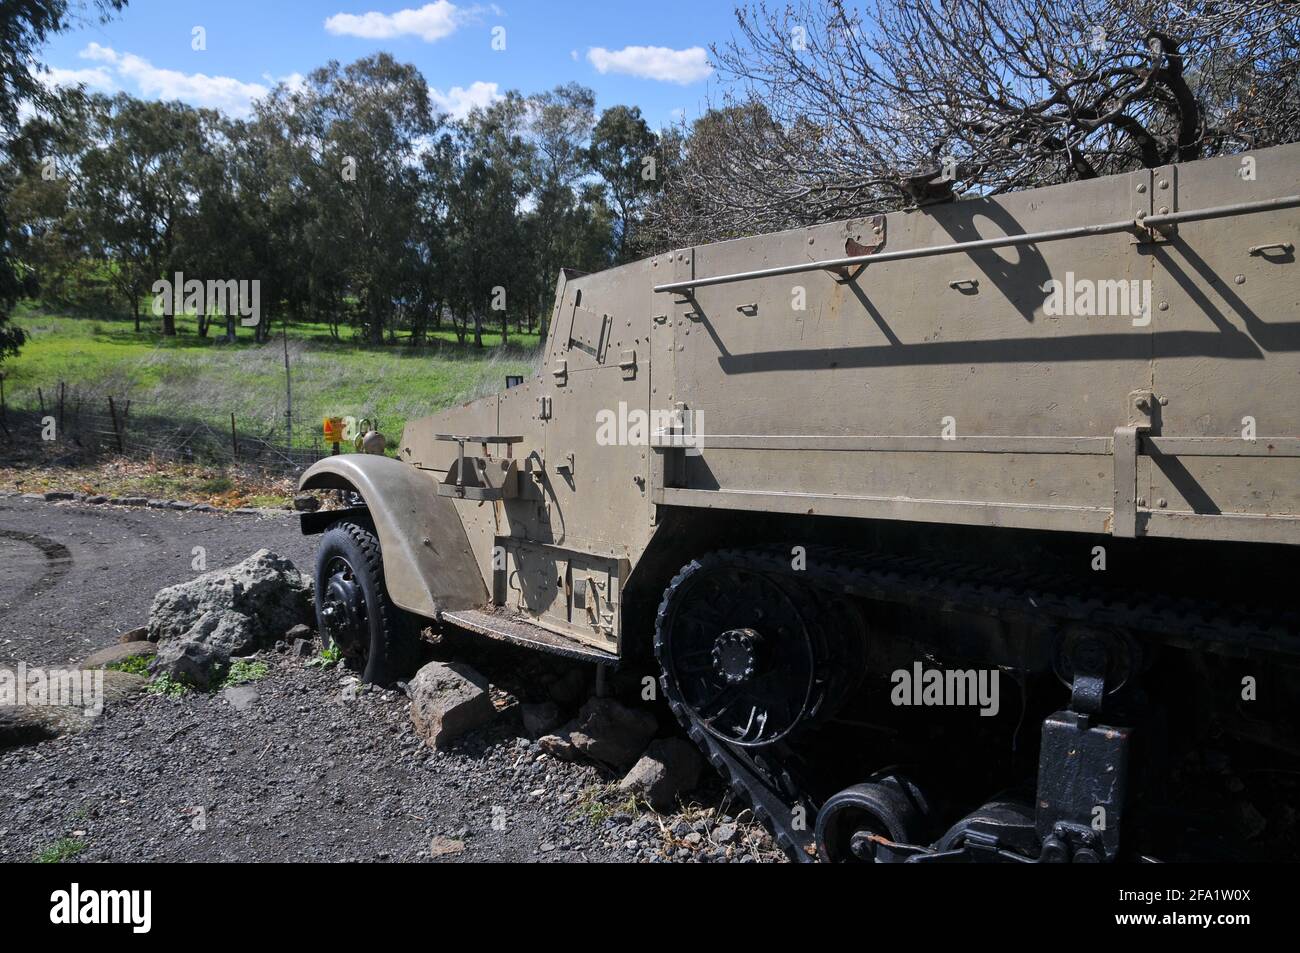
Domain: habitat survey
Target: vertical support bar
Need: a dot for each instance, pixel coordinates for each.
(1124, 516)
(460, 467)
(117, 433)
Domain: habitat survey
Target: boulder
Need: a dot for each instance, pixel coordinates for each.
(139, 634)
(195, 663)
(200, 625)
(668, 767)
(118, 653)
(610, 732)
(299, 632)
(448, 700)
(539, 719)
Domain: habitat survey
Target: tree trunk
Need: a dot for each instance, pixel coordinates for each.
(376, 321)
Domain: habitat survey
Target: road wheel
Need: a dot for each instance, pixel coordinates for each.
(353, 611)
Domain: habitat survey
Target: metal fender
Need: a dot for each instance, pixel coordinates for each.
(428, 565)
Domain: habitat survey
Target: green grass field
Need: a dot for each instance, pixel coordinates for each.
(191, 377)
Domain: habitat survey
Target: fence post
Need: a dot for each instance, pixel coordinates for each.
(61, 390)
(234, 441)
(117, 434)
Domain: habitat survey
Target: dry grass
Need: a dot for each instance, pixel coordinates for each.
(223, 487)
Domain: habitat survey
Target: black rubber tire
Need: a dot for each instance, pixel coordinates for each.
(393, 647)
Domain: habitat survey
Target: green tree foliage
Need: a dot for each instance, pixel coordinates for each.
(25, 25)
(346, 197)
(623, 153)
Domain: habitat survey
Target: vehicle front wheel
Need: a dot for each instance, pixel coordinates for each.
(353, 610)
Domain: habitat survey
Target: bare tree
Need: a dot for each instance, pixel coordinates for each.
(837, 112)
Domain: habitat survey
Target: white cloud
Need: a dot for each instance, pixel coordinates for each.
(653, 62)
(294, 81)
(431, 22)
(458, 101)
(96, 77)
(198, 89)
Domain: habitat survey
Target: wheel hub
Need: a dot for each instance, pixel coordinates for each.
(735, 655)
(343, 608)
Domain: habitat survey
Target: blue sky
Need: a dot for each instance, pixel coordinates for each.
(648, 53)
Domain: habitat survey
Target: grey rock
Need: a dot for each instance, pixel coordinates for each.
(239, 607)
(205, 508)
(129, 501)
(306, 503)
(96, 500)
(724, 833)
(139, 634)
(669, 767)
(158, 504)
(118, 653)
(33, 496)
(298, 632)
(539, 719)
(53, 495)
(193, 662)
(612, 733)
(302, 648)
(447, 701)
(241, 697)
(179, 505)
(558, 746)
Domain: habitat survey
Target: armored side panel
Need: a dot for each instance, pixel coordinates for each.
(1135, 382)
(1105, 377)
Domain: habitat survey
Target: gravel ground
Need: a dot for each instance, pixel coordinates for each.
(315, 767)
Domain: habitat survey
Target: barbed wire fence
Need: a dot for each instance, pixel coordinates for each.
(143, 430)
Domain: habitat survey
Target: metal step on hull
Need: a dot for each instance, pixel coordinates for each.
(507, 626)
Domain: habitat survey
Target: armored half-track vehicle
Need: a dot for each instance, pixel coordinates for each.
(966, 532)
